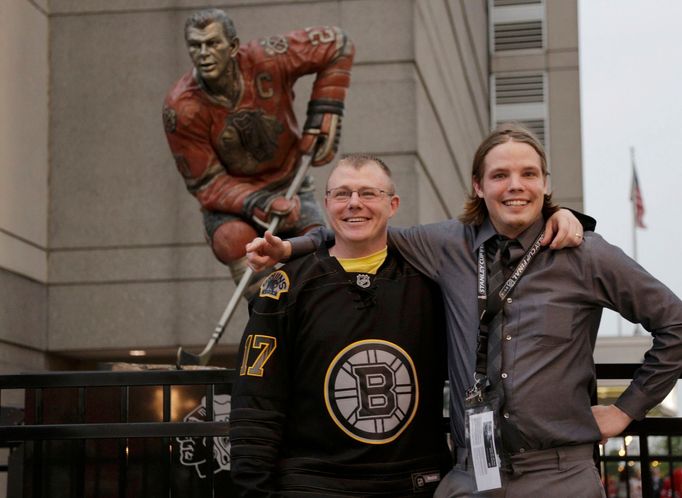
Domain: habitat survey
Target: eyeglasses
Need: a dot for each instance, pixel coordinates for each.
(366, 194)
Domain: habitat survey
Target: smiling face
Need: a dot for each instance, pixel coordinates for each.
(210, 50)
(512, 186)
(360, 225)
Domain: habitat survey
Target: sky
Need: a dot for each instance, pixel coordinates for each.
(631, 96)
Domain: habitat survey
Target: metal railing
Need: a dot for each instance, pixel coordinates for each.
(40, 429)
(635, 460)
(43, 431)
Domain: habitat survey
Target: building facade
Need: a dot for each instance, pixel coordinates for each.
(101, 248)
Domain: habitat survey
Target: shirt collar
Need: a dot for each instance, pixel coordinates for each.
(484, 232)
(526, 238)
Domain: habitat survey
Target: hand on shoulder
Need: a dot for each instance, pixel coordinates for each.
(563, 230)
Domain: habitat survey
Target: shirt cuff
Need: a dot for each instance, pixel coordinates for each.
(300, 246)
(310, 242)
(634, 402)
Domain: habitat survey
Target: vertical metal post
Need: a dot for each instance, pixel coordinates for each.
(210, 446)
(39, 468)
(671, 466)
(166, 441)
(626, 469)
(78, 446)
(647, 484)
(123, 444)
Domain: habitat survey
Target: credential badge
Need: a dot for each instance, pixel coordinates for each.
(363, 280)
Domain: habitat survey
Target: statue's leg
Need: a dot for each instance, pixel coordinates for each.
(311, 212)
(228, 243)
(230, 238)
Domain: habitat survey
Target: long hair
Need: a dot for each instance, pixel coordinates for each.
(475, 210)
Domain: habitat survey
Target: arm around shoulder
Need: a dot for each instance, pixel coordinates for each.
(424, 245)
(566, 227)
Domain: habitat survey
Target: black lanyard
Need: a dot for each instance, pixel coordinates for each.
(489, 304)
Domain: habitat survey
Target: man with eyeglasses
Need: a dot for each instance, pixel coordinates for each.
(343, 362)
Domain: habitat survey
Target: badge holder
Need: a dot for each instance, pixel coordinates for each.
(483, 438)
(482, 404)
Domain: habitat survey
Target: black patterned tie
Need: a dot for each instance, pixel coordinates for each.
(496, 272)
(508, 251)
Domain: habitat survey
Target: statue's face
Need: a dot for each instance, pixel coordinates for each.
(210, 50)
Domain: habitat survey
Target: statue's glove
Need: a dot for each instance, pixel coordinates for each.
(322, 127)
(261, 206)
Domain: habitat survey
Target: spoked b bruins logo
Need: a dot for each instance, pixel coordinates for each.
(371, 391)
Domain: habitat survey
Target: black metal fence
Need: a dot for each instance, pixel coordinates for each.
(646, 461)
(120, 434)
(159, 433)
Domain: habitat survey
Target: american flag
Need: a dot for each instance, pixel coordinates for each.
(636, 198)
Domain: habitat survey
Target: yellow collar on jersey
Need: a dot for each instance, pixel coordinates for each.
(367, 264)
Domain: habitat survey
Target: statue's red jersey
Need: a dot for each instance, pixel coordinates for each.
(226, 152)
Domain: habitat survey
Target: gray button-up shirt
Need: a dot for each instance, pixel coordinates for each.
(552, 321)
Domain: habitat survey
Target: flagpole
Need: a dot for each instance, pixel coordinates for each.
(633, 201)
(634, 208)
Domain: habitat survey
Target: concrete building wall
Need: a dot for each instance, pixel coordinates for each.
(564, 102)
(23, 184)
(559, 59)
(128, 266)
(452, 114)
(127, 250)
(99, 236)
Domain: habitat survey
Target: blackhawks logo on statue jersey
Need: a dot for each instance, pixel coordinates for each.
(371, 391)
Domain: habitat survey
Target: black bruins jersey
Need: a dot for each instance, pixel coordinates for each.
(339, 390)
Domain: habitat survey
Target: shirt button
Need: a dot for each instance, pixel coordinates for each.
(509, 300)
(508, 337)
(504, 375)
(506, 415)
